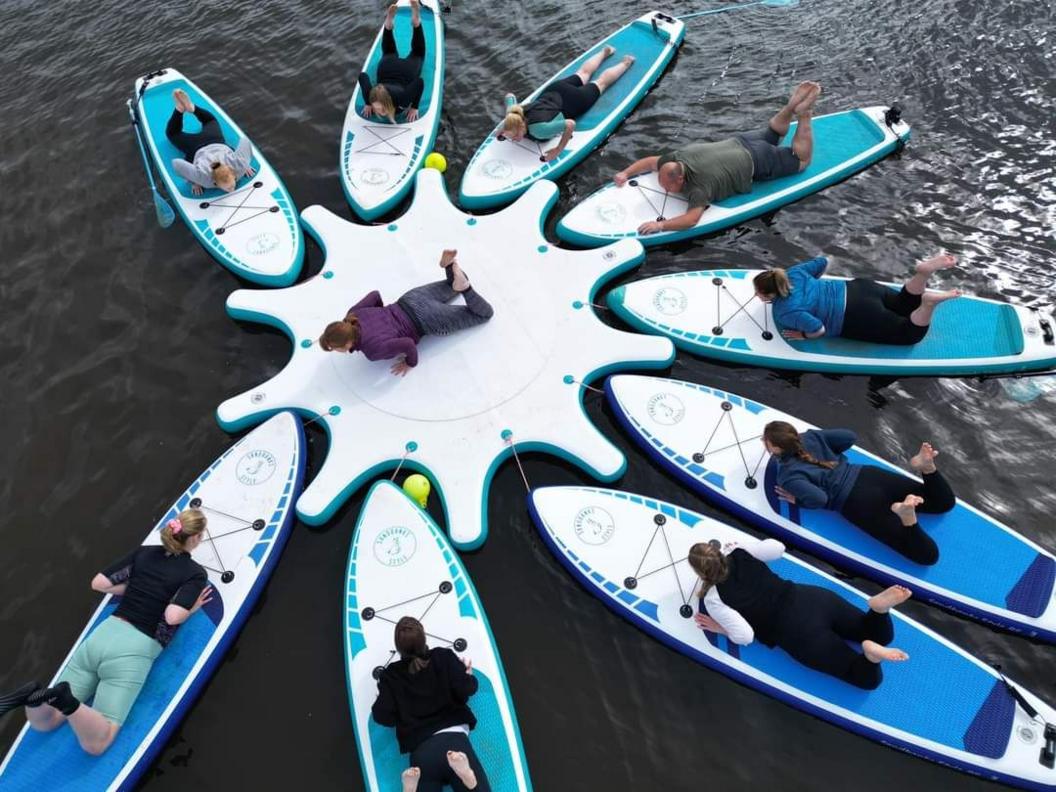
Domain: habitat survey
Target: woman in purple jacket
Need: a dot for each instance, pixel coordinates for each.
(382, 332)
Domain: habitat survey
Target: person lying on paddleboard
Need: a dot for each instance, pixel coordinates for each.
(555, 109)
(743, 599)
(160, 587)
(805, 305)
(708, 172)
(400, 85)
(209, 162)
(424, 696)
(382, 331)
(813, 473)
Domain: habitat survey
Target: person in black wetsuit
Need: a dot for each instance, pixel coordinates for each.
(813, 473)
(743, 599)
(160, 586)
(554, 111)
(424, 696)
(399, 81)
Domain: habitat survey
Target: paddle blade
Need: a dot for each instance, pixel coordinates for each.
(163, 211)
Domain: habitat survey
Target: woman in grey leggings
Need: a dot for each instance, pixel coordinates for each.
(382, 332)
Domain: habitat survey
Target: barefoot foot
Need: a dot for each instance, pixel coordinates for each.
(460, 764)
(936, 297)
(806, 105)
(390, 14)
(459, 279)
(877, 653)
(608, 50)
(889, 598)
(183, 101)
(410, 777)
(936, 263)
(924, 460)
(627, 60)
(447, 258)
(798, 94)
(907, 509)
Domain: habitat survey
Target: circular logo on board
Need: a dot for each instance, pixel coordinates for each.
(666, 408)
(670, 301)
(262, 243)
(611, 212)
(374, 176)
(255, 467)
(496, 168)
(395, 546)
(594, 525)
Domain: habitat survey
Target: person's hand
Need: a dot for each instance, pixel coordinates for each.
(708, 624)
(411, 114)
(368, 111)
(196, 189)
(651, 227)
(785, 495)
(468, 663)
(250, 171)
(400, 368)
(792, 335)
(203, 598)
(620, 178)
(550, 154)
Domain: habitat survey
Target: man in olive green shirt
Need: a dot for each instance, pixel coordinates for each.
(709, 172)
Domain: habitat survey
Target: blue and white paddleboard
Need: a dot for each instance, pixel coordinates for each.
(252, 231)
(500, 170)
(714, 313)
(710, 440)
(379, 159)
(401, 564)
(844, 143)
(248, 496)
(942, 704)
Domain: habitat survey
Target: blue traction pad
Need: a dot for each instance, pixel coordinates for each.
(403, 30)
(1014, 575)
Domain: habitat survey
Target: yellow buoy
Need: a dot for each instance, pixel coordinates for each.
(417, 487)
(436, 161)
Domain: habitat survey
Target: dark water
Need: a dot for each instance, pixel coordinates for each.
(115, 349)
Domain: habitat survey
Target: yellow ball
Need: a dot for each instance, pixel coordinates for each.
(436, 161)
(417, 487)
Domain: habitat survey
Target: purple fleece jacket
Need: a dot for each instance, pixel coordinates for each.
(385, 331)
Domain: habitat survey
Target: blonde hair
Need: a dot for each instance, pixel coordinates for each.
(380, 94)
(192, 523)
(223, 174)
(772, 283)
(515, 120)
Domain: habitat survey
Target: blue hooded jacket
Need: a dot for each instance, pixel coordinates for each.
(817, 487)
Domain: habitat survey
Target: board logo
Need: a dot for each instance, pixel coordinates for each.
(255, 467)
(497, 168)
(594, 525)
(611, 212)
(670, 301)
(665, 408)
(395, 546)
(374, 176)
(262, 243)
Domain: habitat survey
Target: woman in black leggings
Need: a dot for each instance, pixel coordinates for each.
(399, 87)
(743, 599)
(424, 695)
(813, 473)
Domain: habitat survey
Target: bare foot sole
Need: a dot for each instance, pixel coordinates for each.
(807, 104)
(936, 297)
(936, 263)
(907, 509)
(609, 50)
(889, 598)
(924, 460)
(798, 95)
(459, 279)
(390, 14)
(628, 60)
(877, 653)
(183, 101)
(410, 777)
(460, 764)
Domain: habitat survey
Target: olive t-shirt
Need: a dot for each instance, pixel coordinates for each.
(713, 170)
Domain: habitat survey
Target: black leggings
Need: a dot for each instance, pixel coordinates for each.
(576, 98)
(869, 507)
(394, 70)
(818, 622)
(190, 142)
(880, 315)
(431, 757)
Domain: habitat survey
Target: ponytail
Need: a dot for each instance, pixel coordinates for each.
(515, 120)
(711, 566)
(410, 643)
(180, 530)
(772, 283)
(784, 436)
(338, 335)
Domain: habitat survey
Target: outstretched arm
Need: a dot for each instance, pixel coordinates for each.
(384, 709)
(566, 135)
(677, 223)
(724, 620)
(636, 168)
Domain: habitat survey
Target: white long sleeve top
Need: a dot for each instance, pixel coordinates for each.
(736, 626)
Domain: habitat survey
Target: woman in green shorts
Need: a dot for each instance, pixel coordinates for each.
(160, 587)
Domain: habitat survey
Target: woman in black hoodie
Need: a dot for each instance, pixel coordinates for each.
(423, 695)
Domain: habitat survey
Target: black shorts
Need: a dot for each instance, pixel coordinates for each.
(769, 160)
(576, 98)
(880, 315)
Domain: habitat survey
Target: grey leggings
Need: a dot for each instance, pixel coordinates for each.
(429, 308)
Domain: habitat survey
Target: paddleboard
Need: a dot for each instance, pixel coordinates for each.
(401, 564)
(379, 159)
(252, 231)
(844, 143)
(248, 496)
(942, 704)
(500, 170)
(714, 313)
(711, 441)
